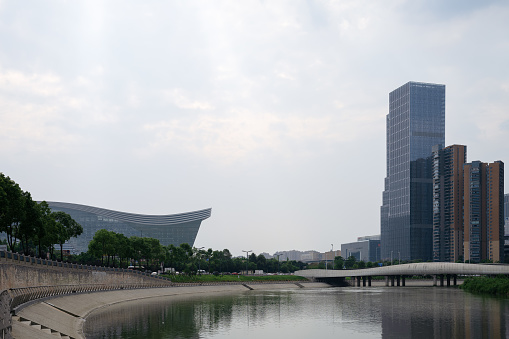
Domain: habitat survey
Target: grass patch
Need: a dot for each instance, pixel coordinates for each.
(231, 278)
(498, 286)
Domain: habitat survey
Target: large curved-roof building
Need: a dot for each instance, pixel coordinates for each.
(169, 229)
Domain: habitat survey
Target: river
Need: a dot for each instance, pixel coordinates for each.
(374, 312)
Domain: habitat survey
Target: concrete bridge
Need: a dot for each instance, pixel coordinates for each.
(395, 275)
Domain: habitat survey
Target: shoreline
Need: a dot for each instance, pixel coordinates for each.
(66, 315)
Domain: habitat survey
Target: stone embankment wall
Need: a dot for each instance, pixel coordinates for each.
(25, 278)
(5, 315)
(17, 271)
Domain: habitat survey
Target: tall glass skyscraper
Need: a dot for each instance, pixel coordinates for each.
(415, 123)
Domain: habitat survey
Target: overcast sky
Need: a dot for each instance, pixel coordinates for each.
(272, 113)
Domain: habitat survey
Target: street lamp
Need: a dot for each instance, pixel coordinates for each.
(278, 262)
(199, 262)
(247, 260)
(333, 256)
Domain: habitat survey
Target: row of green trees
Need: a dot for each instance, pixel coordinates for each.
(115, 249)
(352, 263)
(31, 227)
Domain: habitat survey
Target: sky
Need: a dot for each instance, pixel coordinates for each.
(272, 113)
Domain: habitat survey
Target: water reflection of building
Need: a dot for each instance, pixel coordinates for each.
(430, 315)
(168, 229)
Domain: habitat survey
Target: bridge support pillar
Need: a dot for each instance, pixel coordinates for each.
(434, 280)
(448, 280)
(392, 281)
(386, 281)
(441, 280)
(402, 280)
(454, 278)
(369, 281)
(358, 281)
(397, 280)
(363, 281)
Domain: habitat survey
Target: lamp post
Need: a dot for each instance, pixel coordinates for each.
(333, 256)
(199, 263)
(325, 261)
(278, 261)
(247, 260)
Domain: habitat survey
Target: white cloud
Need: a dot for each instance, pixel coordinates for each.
(181, 99)
(244, 134)
(39, 84)
(40, 112)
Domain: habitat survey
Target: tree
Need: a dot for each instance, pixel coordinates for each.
(29, 222)
(103, 243)
(46, 225)
(261, 262)
(350, 261)
(123, 247)
(67, 228)
(11, 209)
(339, 263)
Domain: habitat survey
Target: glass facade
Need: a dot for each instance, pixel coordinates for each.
(483, 211)
(506, 214)
(168, 229)
(448, 185)
(415, 123)
(365, 250)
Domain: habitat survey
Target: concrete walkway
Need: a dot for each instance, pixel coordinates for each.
(63, 317)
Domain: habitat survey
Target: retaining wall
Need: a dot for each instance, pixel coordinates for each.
(18, 271)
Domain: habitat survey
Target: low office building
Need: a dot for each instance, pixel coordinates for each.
(169, 229)
(365, 249)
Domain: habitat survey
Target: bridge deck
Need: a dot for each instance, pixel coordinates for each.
(438, 268)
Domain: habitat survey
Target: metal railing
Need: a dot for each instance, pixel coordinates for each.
(25, 294)
(25, 259)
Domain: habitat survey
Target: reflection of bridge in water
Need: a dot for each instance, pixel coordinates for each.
(395, 275)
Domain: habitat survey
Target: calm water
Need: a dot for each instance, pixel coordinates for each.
(407, 312)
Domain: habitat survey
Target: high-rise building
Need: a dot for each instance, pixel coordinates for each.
(506, 213)
(415, 123)
(483, 211)
(448, 187)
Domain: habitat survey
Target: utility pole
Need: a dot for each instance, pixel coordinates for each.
(247, 260)
(333, 255)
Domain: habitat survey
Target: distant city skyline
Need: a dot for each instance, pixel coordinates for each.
(270, 113)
